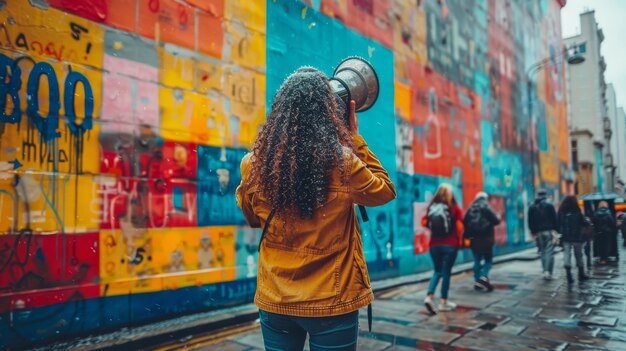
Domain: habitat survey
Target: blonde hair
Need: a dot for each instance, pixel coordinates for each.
(603, 204)
(444, 195)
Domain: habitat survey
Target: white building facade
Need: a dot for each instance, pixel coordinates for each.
(620, 152)
(588, 109)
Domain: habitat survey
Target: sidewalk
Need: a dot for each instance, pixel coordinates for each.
(186, 327)
(525, 312)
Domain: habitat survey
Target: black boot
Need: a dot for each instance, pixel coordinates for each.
(568, 272)
(581, 274)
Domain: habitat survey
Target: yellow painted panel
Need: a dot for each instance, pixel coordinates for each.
(248, 13)
(191, 117)
(245, 91)
(403, 100)
(51, 33)
(24, 143)
(244, 47)
(145, 260)
(46, 202)
(176, 70)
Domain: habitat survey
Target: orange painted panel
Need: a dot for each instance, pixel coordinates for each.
(167, 21)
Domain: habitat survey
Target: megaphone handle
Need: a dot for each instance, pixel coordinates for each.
(363, 213)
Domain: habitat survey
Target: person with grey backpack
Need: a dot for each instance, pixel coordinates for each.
(480, 221)
(444, 218)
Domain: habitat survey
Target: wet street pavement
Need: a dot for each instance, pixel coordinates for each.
(524, 312)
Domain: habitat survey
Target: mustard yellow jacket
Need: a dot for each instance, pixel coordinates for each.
(315, 267)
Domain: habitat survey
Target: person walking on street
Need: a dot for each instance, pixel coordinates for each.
(606, 232)
(622, 226)
(444, 218)
(480, 221)
(542, 222)
(571, 226)
(306, 171)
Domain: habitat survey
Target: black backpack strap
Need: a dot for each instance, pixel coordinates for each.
(266, 226)
(364, 215)
(366, 218)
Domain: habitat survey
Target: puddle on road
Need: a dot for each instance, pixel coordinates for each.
(488, 326)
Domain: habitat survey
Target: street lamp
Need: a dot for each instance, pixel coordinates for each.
(573, 59)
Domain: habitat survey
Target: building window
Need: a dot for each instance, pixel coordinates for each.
(575, 159)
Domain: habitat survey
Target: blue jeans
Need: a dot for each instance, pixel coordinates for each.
(443, 259)
(288, 333)
(481, 270)
(546, 249)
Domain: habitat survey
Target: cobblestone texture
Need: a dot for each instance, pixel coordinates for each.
(525, 312)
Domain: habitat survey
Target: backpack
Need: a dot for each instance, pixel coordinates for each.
(439, 220)
(587, 230)
(570, 227)
(475, 224)
(537, 217)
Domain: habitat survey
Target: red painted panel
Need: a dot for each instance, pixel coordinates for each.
(173, 202)
(38, 269)
(502, 72)
(370, 17)
(498, 204)
(447, 126)
(210, 34)
(160, 193)
(115, 13)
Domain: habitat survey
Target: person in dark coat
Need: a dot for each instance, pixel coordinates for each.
(622, 225)
(571, 224)
(480, 221)
(606, 232)
(542, 223)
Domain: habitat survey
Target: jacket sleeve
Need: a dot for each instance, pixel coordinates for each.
(460, 228)
(492, 216)
(613, 224)
(583, 222)
(552, 216)
(369, 182)
(244, 200)
(531, 219)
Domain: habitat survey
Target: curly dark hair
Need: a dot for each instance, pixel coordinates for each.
(569, 205)
(300, 145)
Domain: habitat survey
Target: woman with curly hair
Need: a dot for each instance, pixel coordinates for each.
(306, 171)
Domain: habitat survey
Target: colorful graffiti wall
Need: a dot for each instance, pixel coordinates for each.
(122, 124)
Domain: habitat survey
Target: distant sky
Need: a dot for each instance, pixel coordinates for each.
(611, 17)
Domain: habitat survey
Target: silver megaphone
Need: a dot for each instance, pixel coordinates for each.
(355, 79)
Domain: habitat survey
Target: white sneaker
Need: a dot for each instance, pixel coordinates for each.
(447, 306)
(547, 276)
(430, 306)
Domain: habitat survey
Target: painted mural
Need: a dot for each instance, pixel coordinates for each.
(122, 125)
